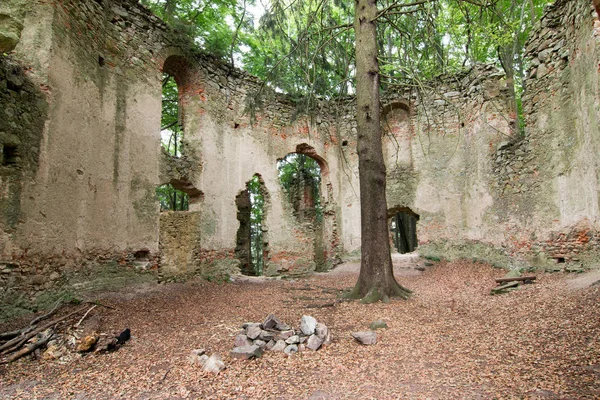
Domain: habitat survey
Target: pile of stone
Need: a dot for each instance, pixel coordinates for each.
(273, 335)
(213, 364)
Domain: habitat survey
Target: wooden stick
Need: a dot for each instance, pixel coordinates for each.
(18, 341)
(165, 375)
(520, 278)
(47, 315)
(30, 349)
(85, 315)
(12, 334)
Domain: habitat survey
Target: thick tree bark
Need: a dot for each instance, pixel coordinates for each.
(376, 280)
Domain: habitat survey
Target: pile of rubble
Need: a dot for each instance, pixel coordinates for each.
(273, 335)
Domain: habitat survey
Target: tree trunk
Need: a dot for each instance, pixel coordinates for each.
(597, 6)
(376, 280)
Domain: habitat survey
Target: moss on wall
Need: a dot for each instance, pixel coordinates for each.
(23, 111)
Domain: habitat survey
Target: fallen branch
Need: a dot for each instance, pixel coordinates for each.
(519, 278)
(30, 349)
(9, 335)
(165, 375)
(47, 315)
(12, 334)
(17, 342)
(320, 305)
(84, 315)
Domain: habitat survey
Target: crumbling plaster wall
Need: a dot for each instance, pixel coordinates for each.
(438, 147)
(481, 189)
(451, 155)
(93, 194)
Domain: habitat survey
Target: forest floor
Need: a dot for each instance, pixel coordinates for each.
(451, 340)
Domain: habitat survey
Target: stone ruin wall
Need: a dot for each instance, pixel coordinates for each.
(554, 169)
(93, 74)
(98, 67)
(438, 147)
(482, 189)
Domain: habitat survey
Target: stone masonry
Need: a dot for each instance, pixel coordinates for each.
(81, 154)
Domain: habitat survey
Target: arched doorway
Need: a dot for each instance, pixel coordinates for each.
(251, 248)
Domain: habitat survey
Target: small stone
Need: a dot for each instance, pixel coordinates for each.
(365, 337)
(270, 345)
(283, 327)
(214, 364)
(241, 340)
(253, 331)
(379, 324)
(266, 335)
(280, 345)
(260, 343)
(246, 352)
(285, 335)
(323, 333)
(293, 339)
(308, 325)
(197, 357)
(271, 322)
(321, 330)
(292, 348)
(314, 342)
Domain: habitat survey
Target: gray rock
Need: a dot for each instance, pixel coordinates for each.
(253, 331)
(266, 335)
(260, 343)
(283, 327)
(285, 335)
(270, 345)
(214, 364)
(247, 352)
(280, 345)
(365, 337)
(379, 324)
(321, 330)
(293, 339)
(271, 322)
(314, 342)
(323, 333)
(241, 340)
(308, 325)
(292, 348)
(197, 357)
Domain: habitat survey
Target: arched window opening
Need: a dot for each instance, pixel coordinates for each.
(171, 129)
(251, 247)
(403, 229)
(300, 177)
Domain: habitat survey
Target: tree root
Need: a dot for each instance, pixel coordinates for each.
(376, 294)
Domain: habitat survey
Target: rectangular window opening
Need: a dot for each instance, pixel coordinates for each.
(9, 155)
